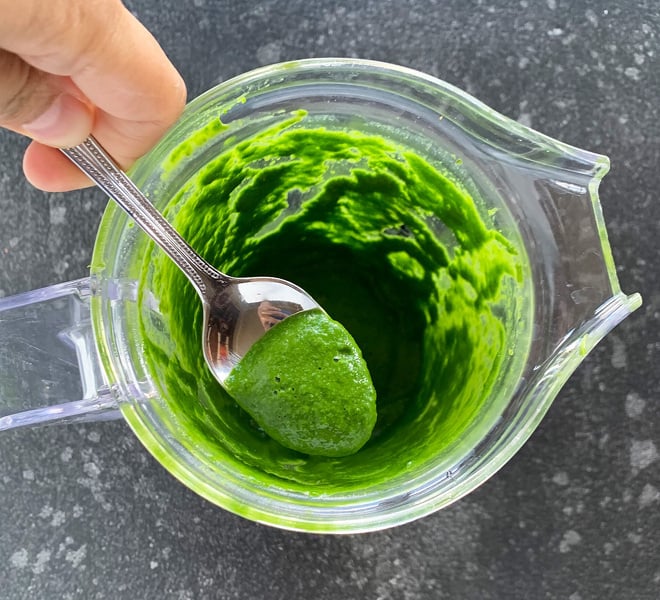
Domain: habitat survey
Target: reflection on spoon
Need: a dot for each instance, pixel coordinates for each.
(272, 312)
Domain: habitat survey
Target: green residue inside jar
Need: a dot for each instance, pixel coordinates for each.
(390, 246)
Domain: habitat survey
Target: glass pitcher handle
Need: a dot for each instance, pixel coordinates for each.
(49, 367)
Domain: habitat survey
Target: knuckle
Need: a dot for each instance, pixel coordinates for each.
(20, 91)
(64, 37)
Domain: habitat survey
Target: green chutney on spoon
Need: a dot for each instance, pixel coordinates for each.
(307, 386)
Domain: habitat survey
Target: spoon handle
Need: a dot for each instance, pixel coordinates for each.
(99, 166)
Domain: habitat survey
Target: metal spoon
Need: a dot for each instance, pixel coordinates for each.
(229, 303)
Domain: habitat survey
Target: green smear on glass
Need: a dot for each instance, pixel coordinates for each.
(391, 247)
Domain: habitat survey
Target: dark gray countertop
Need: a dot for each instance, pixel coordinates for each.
(85, 512)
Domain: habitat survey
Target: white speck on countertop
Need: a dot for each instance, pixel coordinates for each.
(634, 405)
(269, 53)
(92, 481)
(59, 517)
(66, 454)
(556, 32)
(57, 215)
(560, 478)
(94, 436)
(642, 454)
(28, 474)
(570, 539)
(43, 556)
(91, 470)
(649, 495)
(68, 540)
(619, 355)
(61, 266)
(632, 73)
(19, 559)
(524, 116)
(592, 17)
(75, 557)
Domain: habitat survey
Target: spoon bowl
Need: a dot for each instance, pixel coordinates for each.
(227, 306)
(230, 304)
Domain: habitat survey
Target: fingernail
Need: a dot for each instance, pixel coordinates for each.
(65, 123)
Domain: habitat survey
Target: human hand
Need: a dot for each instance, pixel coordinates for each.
(71, 68)
(270, 314)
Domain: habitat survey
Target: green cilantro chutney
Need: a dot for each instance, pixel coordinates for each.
(392, 247)
(306, 384)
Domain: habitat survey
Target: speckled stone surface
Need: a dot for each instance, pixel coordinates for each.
(85, 512)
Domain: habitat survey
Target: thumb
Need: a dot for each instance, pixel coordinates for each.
(48, 108)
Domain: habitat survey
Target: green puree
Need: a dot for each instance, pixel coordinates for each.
(393, 249)
(306, 384)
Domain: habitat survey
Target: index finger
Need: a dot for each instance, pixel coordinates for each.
(111, 58)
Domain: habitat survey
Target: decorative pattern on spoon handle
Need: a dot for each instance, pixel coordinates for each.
(100, 167)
